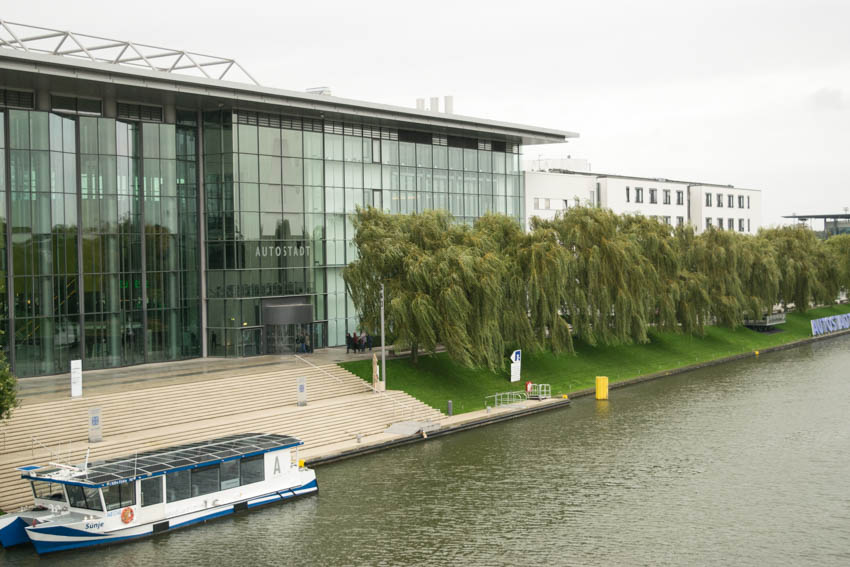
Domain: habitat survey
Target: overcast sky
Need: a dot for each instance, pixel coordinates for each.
(750, 93)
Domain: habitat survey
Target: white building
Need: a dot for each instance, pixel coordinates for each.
(671, 201)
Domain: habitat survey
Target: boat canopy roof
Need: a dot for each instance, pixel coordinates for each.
(161, 461)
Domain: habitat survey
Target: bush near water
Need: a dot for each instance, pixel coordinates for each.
(589, 277)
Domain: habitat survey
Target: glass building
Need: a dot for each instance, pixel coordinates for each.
(149, 216)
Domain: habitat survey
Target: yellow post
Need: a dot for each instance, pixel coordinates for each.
(757, 353)
(601, 387)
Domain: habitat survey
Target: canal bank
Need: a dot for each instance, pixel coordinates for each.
(490, 416)
(435, 379)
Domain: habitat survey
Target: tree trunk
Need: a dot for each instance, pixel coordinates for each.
(414, 353)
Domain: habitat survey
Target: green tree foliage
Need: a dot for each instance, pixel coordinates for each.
(839, 248)
(602, 277)
(8, 390)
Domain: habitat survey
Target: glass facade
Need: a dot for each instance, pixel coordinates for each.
(102, 220)
(281, 193)
(100, 210)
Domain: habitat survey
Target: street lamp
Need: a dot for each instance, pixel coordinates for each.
(383, 345)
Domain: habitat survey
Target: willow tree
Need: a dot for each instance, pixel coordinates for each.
(608, 279)
(716, 255)
(838, 248)
(658, 247)
(443, 284)
(759, 274)
(693, 303)
(806, 275)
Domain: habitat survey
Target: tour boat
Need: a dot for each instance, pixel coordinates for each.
(155, 491)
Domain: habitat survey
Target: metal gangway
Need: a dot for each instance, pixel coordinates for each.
(540, 392)
(503, 399)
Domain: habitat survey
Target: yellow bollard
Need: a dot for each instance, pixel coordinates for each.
(757, 353)
(601, 387)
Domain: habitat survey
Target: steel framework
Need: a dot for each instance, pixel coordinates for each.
(35, 39)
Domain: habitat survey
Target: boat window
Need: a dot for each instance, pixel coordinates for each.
(120, 495)
(177, 486)
(252, 469)
(152, 491)
(84, 497)
(48, 491)
(205, 480)
(230, 474)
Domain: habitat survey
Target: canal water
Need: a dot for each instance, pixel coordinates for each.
(746, 463)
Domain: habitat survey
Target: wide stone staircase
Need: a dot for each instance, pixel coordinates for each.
(340, 407)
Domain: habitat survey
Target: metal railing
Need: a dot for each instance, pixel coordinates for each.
(540, 392)
(504, 399)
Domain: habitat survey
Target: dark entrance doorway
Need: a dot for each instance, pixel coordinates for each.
(288, 325)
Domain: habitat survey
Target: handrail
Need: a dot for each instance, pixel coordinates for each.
(366, 384)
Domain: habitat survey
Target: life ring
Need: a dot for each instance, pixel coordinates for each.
(127, 515)
(528, 387)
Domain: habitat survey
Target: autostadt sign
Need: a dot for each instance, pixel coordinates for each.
(281, 251)
(830, 324)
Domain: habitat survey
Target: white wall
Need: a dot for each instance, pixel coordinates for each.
(545, 193)
(750, 213)
(614, 195)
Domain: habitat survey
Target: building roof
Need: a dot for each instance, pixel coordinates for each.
(127, 77)
(655, 179)
(807, 217)
(162, 461)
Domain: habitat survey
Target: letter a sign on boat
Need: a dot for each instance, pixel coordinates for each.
(516, 361)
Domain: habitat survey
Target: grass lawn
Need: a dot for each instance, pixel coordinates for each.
(437, 379)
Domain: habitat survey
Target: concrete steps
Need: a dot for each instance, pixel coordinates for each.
(340, 407)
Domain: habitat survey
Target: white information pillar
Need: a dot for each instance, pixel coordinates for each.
(76, 378)
(302, 390)
(516, 362)
(95, 426)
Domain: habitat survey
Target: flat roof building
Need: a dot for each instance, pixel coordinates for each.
(673, 202)
(149, 215)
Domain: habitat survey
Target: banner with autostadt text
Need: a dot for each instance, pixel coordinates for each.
(830, 324)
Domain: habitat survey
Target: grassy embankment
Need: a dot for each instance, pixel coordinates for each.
(437, 379)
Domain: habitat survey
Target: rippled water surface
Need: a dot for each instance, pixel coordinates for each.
(746, 463)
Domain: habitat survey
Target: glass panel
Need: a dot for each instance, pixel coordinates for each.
(252, 470)
(292, 145)
(313, 145)
(152, 491)
(177, 486)
(247, 139)
(270, 141)
(205, 480)
(333, 147)
(48, 491)
(229, 474)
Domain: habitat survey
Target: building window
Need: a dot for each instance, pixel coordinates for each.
(680, 197)
(740, 225)
(627, 194)
(638, 194)
(667, 197)
(666, 220)
(720, 223)
(731, 202)
(653, 196)
(719, 199)
(748, 202)
(537, 203)
(708, 200)
(546, 204)
(707, 223)
(731, 225)
(75, 105)
(566, 204)
(740, 201)
(680, 221)
(748, 225)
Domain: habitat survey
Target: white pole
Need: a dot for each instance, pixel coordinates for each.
(383, 345)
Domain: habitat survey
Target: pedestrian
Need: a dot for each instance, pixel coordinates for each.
(369, 342)
(362, 342)
(347, 342)
(354, 343)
